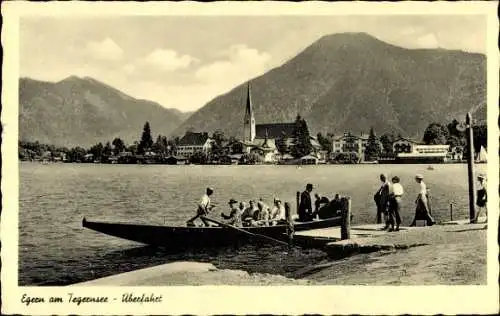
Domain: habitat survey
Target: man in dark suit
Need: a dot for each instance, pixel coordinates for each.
(382, 201)
(305, 205)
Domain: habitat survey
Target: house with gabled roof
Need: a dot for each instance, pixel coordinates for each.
(193, 142)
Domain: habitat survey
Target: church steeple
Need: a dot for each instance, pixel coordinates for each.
(249, 120)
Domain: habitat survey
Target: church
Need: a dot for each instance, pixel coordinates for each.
(261, 138)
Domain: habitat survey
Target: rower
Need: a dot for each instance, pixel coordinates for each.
(204, 208)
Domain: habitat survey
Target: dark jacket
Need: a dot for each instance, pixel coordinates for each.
(381, 198)
(305, 206)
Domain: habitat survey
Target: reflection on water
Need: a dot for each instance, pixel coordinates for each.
(55, 249)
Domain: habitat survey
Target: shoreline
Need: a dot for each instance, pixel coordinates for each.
(456, 253)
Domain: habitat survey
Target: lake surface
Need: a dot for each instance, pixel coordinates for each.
(54, 249)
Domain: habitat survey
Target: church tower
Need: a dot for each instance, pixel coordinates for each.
(249, 120)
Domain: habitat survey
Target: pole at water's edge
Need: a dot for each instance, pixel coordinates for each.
(470, 166)
(345, 228)
(297, 201)
(289, 224)
(451, 211)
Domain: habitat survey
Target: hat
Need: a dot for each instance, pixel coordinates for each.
(232, 201)
(209, 189)
(419, 176)
(309, 185)
(395, 179)
(481, 176)
(277, 200)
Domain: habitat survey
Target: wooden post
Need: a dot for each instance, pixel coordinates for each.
(345, 228)
(451, 211)
(470, 166)
(289, 224)
(297, 201)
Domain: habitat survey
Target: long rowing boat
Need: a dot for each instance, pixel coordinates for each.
(179, 237)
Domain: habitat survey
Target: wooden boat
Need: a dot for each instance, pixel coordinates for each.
(180, 238)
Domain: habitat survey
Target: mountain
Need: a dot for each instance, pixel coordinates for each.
(353, 81)
(84, 111)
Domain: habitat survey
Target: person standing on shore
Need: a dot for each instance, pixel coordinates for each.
(481, 198)
(204, 208)
(422, 204)
(381, 200)
(396, 193)
(305, 205)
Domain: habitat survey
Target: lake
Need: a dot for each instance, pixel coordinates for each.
(54, 249)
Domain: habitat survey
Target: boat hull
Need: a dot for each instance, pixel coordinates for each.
(180, 238)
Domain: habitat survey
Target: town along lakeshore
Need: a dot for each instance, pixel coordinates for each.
(55, 249)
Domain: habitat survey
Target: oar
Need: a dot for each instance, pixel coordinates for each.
(244, 231)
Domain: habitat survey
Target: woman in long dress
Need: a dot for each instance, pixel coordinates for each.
(481, 198)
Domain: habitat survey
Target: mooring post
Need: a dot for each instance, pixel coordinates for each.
(451, 211)
(470, 166)
(297, 201)
(289, 224)
(345, 228)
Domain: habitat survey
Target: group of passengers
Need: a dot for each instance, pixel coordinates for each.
(255, 213)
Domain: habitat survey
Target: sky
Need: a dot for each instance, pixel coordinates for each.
(183, 62)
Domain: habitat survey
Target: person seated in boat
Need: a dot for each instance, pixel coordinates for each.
(320, 201)
(248, 214)
(204, 208)
(305, 207)
(261, 216)
(234, 217)
(277, 214)
(330, 209)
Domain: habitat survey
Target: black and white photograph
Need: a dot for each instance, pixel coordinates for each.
(165, 148)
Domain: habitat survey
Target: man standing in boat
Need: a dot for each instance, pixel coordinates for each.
(305, 206)
(204, 208)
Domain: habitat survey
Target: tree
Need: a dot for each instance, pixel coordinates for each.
(372, 150)
(107, 151)
(435, 134)
(480, 137)
(118, 145)
(146, 139)
(159, 146)
(97, 150)
(387, 141)
(76, 154)
(199, 157)
(218, 144)
(281, 144)
(302, 143)
(325, 142)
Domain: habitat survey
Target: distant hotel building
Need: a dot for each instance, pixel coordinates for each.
(349, 143)
(193, 142)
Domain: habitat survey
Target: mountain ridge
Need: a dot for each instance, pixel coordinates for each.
(354, 81)
(83, 111)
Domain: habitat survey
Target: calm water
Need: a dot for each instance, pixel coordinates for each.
(55, 249)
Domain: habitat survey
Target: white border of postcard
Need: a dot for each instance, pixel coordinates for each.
(240, 299)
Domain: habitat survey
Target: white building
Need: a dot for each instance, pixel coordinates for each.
(194, 142)
(349, 143)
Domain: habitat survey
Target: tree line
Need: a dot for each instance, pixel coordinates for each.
(434, 134)
(29, 150)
